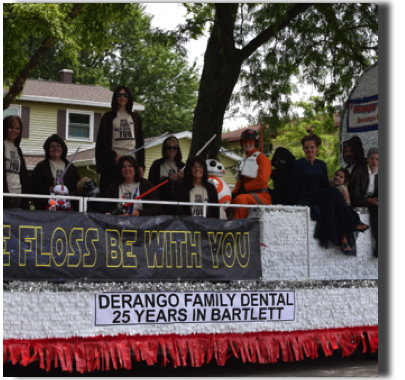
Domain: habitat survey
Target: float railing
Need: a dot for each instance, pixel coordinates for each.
(33, 196)
(259, 208)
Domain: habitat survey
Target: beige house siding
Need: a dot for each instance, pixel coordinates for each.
(154, 153)
(43, 123)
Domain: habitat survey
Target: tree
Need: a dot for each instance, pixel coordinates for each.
(70, 24)
(265, 45)
(321, 121)
(158, 77)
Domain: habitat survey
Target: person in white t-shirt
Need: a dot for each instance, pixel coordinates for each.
(15, 176)
(169, 167)
(48, 172)
(195, 188)
(130, 185)
(120, 133)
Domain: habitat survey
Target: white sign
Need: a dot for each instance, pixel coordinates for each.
(198, 307)
(363, 114)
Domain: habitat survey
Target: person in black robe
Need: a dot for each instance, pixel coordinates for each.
(336, 222)
(283, 177)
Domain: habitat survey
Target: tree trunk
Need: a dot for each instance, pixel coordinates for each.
(219, 77)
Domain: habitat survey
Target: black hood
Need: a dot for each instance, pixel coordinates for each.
(282, 158)
(59, 140)
(357, 147)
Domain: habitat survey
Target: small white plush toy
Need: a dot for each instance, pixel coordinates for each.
(61, 204)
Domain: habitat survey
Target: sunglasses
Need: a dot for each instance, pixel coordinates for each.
(124, 95)
(171, 147)
(55, 146)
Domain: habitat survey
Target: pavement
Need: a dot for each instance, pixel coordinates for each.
(356, 365)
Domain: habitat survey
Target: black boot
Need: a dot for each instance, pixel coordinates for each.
(374, 232)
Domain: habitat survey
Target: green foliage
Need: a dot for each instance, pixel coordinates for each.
(125, 51)
(328, 45)
(27, 25)
(321, 120)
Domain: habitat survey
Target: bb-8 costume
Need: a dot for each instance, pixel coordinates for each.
(252, 176)
(215, 171)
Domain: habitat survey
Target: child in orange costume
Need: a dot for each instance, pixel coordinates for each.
(252, 191)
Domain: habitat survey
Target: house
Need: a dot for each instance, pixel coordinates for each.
(73, 111)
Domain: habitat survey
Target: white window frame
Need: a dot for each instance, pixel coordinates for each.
(91, 113)
(15, 106)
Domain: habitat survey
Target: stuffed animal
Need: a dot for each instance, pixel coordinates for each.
(59, 204)
(215, 171)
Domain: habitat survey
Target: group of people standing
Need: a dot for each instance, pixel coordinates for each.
(120, 161)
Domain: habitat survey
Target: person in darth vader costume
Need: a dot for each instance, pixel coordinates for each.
(283, 177)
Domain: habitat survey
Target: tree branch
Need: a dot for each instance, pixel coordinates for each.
(226, 15)
(268, 33)
(18, 84)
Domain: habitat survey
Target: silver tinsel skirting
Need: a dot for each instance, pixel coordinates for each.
(100, 287)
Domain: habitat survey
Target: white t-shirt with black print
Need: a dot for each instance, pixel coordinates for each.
(167, 169)
(57, 169)
(198, 194)
(127, 190)
(12, 165)
(123, 134)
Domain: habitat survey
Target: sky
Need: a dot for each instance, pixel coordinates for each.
(168, 16)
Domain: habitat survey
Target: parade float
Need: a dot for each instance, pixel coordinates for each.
(86, 291)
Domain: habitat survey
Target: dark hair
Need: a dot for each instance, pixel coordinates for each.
(59, 140)
(312, 137)
(133, 162)
(8, 122)
(114, 104)
(357, 147)
(346, 174)
(188, 175)
(178, 156)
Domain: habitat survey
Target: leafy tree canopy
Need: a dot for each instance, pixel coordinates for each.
(158, 77)
(73, 25)
(262, 47)
(320, 120)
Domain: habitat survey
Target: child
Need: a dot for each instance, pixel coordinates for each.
(341, 180)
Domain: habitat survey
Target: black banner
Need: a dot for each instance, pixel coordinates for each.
(68, 246)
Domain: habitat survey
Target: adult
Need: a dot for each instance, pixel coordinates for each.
(47, 172)
(131, 183)
(252, 180)
(195, 188)
(282, 176)
(15, 176)
(120, 133)
(364, 191)
(169, 167)
(336, 221)
(353, 154)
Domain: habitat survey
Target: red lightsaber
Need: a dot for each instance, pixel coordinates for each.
(126, 205)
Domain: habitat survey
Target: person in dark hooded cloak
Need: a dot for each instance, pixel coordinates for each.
(169, 167)
(47, 172)
(283, 177)
(15, 175)
(353, 154)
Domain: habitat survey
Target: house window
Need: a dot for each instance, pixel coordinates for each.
(79, 125)
(12, 110)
